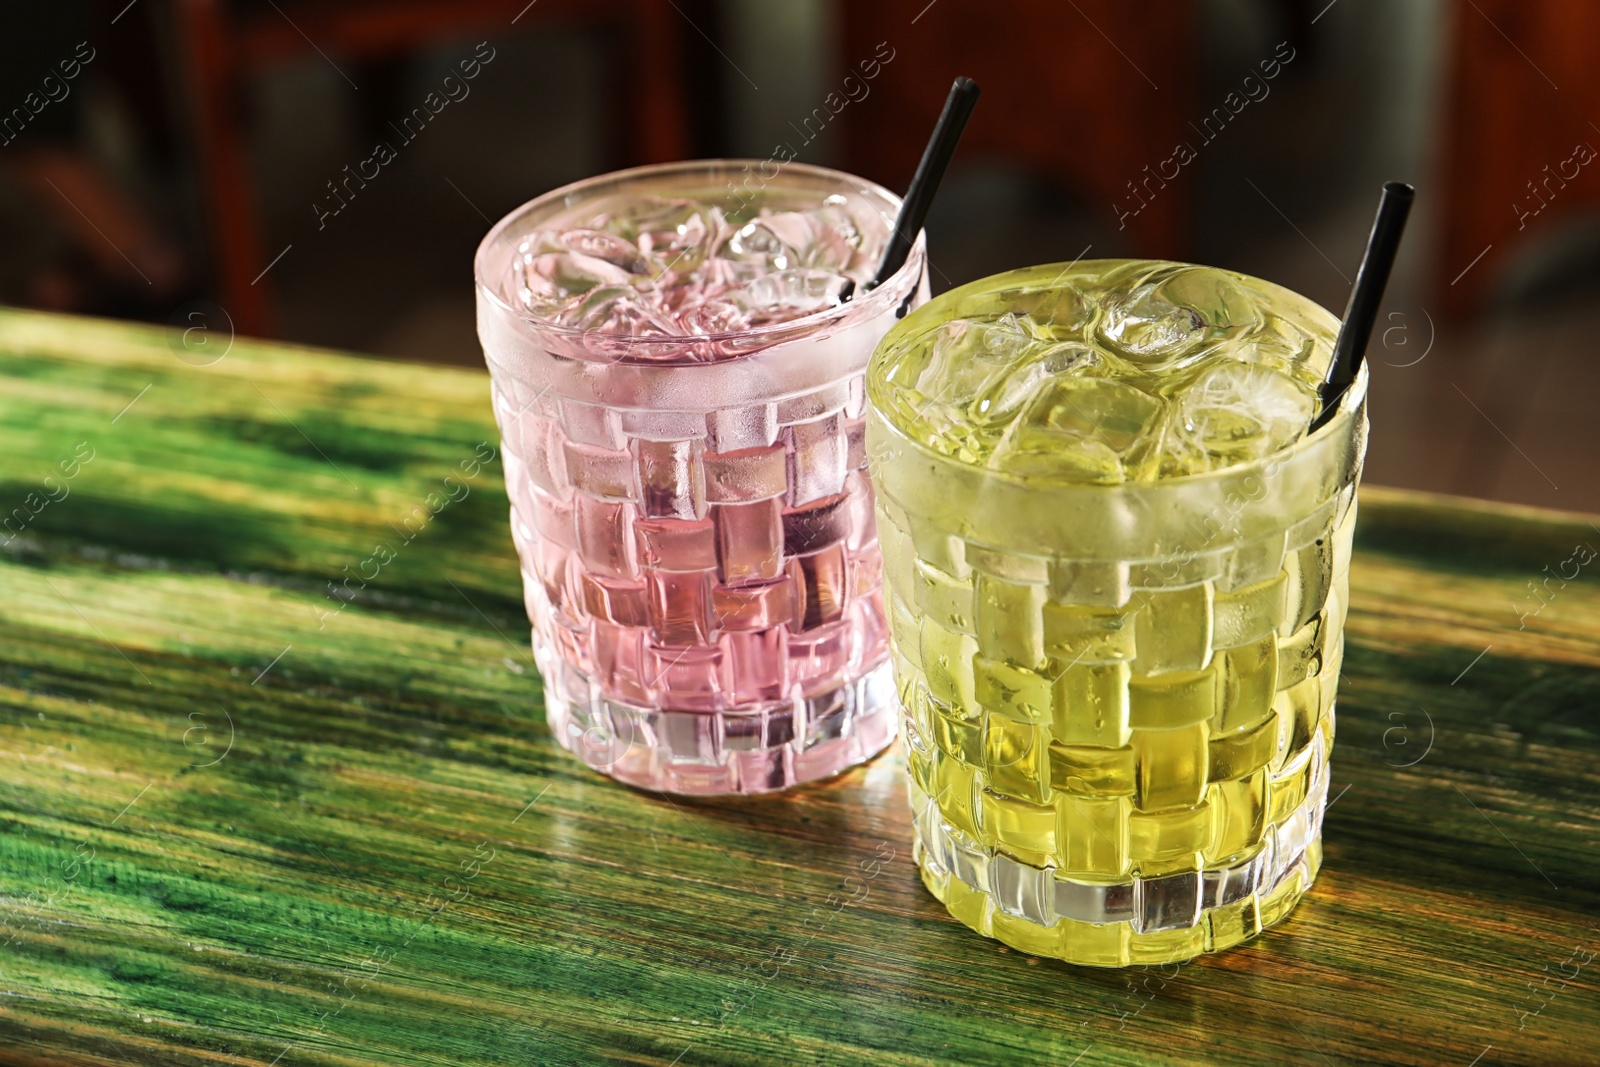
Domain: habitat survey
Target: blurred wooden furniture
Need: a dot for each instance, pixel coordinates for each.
(1520, 119)
(1088, 93)
(222, 45)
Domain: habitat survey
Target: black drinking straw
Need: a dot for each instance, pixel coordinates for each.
(1350, 349)
(919, 197)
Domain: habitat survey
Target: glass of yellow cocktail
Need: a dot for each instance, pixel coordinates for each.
(1117, 568)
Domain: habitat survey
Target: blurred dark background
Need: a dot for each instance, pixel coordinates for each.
(162, 152)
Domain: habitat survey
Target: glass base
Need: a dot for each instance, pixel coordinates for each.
(1143, 921)
(703, 753)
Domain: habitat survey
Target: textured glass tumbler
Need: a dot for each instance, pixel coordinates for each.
(693, 515)
(1118, 700)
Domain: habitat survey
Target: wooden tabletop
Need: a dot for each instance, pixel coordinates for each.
(246, 819)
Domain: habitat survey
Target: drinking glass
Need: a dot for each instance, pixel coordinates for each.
(693, 515)
(1118, 698)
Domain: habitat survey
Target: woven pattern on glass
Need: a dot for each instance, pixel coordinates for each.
(1115, 722)
(720, 562)
(1119, 923)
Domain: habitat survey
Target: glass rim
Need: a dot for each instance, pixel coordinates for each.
(1341, 424)
(892, 291)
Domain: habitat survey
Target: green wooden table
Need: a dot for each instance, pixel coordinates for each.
(249, 818)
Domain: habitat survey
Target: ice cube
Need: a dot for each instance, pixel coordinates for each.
(1062, 313)
(758, 242)
(553, 283)
(1085, 429)
(967, 356)
(1167, 320)
(570, 273)
(601, 245)
(1219, 300)
(619, 311)
(824, 239)
(1147, 328)
(676, 236)
(836, 240)
(1007, 395)
(788, 294)
(1237, 412)
(1285, 347)
(690, 270)
(1180, 455)
(715, 316)
(1004, 339)
(757, 299)
(1116, 413)
(654, 215)
(794, 228)
(1044, 453)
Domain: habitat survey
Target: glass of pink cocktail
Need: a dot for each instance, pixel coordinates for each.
(677, 355)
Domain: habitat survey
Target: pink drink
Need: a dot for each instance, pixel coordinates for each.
(679, 388)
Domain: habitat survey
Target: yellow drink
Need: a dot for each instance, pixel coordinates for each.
(1117, 572)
